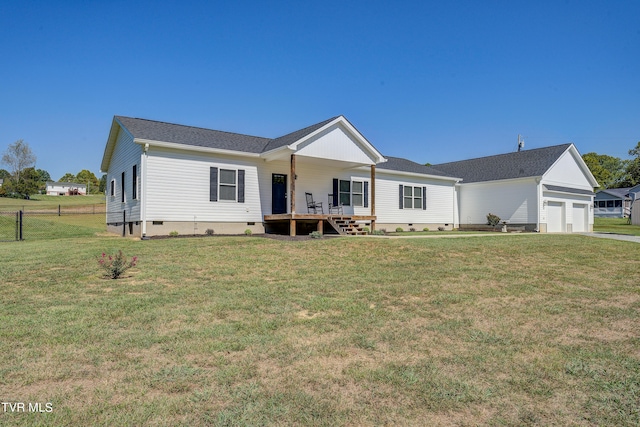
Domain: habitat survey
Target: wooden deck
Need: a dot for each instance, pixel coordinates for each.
(319, 218)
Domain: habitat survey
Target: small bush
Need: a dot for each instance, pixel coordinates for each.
(174, 233)
(412, 229)
(378, 232)
(425, 229)
(399, 230)
(209, 232)
(493, 220)
(366, 229)
(115, 265)
(440, 228)
(315, 235)
(384, 230)
(247, 232)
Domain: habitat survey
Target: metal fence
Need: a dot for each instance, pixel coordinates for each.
(52, 223)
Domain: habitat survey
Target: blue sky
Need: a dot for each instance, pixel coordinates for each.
(429, 81)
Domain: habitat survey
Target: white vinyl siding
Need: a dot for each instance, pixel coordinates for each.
(514, 201)
(125, 154)
(178, 187)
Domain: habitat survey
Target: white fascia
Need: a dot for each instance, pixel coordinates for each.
(418, 175)
(198, 149)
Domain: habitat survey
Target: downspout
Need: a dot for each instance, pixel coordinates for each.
(538, 205)
(143, 190)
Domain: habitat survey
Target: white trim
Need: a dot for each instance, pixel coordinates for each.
(415, 174)
(184, 147)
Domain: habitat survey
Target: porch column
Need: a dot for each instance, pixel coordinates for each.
(373, 196)
(293, 184)
(292, 222)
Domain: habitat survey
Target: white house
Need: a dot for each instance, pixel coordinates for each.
(66, 189)
(546, 189)
(613, 203)
(165, 177)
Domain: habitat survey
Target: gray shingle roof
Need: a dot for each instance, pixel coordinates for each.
(189, 135)
(404, 165)
(618, 192)
(521, 164)
(295, 136)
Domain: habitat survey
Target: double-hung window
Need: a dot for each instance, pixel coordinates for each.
(412, 197)
(357, 193)
(228, 184)
(345, 193)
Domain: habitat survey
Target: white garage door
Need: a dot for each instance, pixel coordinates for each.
(580, 219)
(555, 217)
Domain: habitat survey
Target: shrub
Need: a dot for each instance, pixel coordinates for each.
(247, 232)
(399, 230)
(412, 229)
(209, 232)
(366, 229)
(115, 265)
(378, 232)
(440, 228)
(174, 233)
(493, 220)
(315, 235)
(384, 230)
(425, 229)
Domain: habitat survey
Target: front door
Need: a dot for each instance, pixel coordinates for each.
(278, 193)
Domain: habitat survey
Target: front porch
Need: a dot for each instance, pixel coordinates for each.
(343, 224)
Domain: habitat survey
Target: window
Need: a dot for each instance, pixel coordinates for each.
(609, 203)
(345, 193)
(357, 193)
(134, 182)
(601, 204)
(227, 184)
(413, 197)
(112, 188)
(618, 203)
(122, 183)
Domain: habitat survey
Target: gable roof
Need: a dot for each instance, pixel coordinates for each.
(404, 165)
(617, 192)
(189, 135)
(292, 137)
(520, 164)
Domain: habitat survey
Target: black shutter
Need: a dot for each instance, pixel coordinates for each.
(134, 182)
(240, 185)
(401, 196)
(424, 198)
(336, 194)
(213, 185)
(366, 194)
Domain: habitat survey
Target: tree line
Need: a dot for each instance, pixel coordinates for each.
(22, 180)
(614, 172)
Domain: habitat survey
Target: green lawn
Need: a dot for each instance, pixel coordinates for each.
(515, 330)
(40, 201)
(615, 225)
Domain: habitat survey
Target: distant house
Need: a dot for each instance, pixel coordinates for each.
(66, 189)
(164, 177)
(613, 203)
(1, 182)
(545, 189)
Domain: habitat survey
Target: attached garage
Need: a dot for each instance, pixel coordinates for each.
(556, 222)
(580, 218)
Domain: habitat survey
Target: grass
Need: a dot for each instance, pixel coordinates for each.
(615, 225)
(525, 330)
(40, 201)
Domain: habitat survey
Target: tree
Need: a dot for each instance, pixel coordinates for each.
(18, 157)
(4, 174)
(609, 171)
(633, 167)
(24, 187)
(87, 177)
(68, 177)
(44, 176)
(103, 184)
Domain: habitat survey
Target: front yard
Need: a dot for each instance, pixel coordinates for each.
(509, 330)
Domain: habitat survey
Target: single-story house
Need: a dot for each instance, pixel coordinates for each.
(164, 177)
(613, 203)
(546, 189)
(66, 189)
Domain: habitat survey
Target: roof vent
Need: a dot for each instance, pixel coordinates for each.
(520, 143)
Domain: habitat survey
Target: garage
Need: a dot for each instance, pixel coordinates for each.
(555, 217)
(580, 217)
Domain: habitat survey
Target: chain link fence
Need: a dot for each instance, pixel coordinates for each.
(51, 223)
